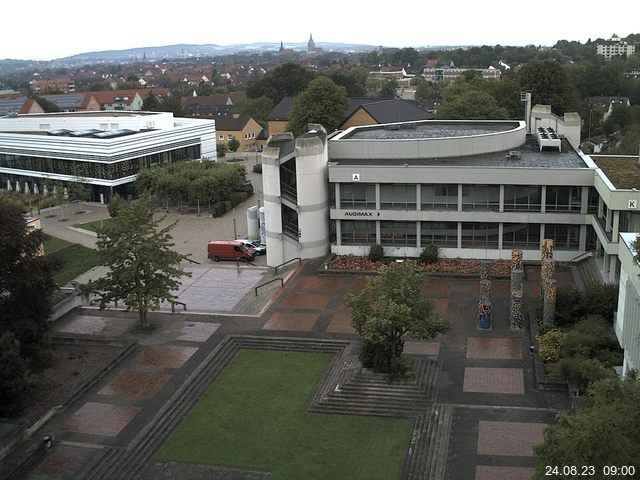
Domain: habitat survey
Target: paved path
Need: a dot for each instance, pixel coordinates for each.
(487, 377)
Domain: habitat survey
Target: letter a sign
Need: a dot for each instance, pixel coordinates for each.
(355, 177)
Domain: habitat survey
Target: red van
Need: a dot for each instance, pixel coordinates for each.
(229, 250)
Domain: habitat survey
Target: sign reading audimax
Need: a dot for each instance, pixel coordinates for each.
(361, 213)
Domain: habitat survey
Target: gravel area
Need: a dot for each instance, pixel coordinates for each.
(72, 365)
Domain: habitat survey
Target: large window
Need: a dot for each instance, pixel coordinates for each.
(565, 237)
(480, 197)
(358, 195)
(398, 234)
(288, 180)
(441, 234)
(563, 199)
(290, 222)
(592, 204)
(522, 198)
(354, 232)
(479, 235)
(521, 235)
(398, 196)
(439, 196)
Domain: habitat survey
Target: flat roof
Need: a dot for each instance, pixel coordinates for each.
(530, 157)
(101, 113)
(429, 129)
(623, 172)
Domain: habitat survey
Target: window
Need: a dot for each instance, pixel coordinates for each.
(444, 234)
(480, 197)
(290, 222)
(565, 237)
(221, 137)
(563, 199)
(229, 137)
(398, 234)
(398, 196)
(439, 196)
(594, 197)
(479, 235)
(358, 195)
(519, 198)
(356, 232)
(521, 235)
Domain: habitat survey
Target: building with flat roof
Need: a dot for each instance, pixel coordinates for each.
(615, 47)
(104, 150)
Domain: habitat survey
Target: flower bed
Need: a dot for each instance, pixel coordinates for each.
(462, 266)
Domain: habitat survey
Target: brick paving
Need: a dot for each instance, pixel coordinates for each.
(320, 284)
(509, 438)
(494, 348)
(493, 380)
(340, 323)
(165, 356)
(89, 325)
(422, 348)
(304, 300)
(100, 419)
(484, 472)
(138, 385)
(298, 322)
(196, 331)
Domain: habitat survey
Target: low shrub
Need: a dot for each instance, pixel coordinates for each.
(376, 253)
(582, 371)
(573, 304)
(218, 209)
(238, 197)
(257, 168)
(588, 337)
(429, 255)
(550, 344)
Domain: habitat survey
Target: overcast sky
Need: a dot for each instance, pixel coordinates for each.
(45, 30)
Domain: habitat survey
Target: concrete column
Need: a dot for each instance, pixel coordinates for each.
(485, 290)
(582, 246)
(337, 194)
(584, 203)
(541, 234)
(616, 226)
(501, 204)
(600, 205)
(338, 232)
(418, 197)
(378, 197)
(378, 232)
(607, 221)
(459, 199)
(517, 311)
(459, 234)
(543, 200)
(500, 232)
(418, 231)
(549, 306)
(613, 269)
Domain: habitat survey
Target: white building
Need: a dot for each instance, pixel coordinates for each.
(614, 47)
(102, 149)
(627, 321)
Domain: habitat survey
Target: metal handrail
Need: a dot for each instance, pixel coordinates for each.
(586, 254)
(267, 283)
(192, 261)
(288, 261)
(173, 306)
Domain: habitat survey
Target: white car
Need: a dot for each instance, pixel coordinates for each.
(255, 244)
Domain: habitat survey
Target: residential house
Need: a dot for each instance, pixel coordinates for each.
(607, 104)
(74, 102)
(437, 74)
(242, 127)
(43, 85)
(614, 47)
(19, 106)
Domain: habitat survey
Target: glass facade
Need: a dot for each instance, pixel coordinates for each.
(288, 181)
(398, 196)
(439, 196)
(103, 170)
(481, 197)
(521, 235)
(479, 235)
(356, 195)
(398, 234)
(441, 234)
(522, 198)
(563, 199)
(565, 237)
(354, 232)
(290, 222)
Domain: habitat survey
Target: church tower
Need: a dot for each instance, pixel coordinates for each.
(281, 46)
(311, 45)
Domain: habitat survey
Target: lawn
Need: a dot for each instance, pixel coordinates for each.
(75, 259)
(93, 226)
(255, 417)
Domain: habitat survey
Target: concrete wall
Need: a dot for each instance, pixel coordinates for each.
(272, 206)
(569, 125)
(627, 322)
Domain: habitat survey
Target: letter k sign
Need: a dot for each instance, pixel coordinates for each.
(633, 204)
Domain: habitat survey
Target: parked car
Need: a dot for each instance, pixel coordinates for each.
(230, 250)
(260, 248)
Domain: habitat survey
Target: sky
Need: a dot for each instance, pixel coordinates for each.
(45, 30)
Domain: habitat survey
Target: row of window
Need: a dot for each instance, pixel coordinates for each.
(247, 136)
(108, 171)
(517, 198)
(473, 234)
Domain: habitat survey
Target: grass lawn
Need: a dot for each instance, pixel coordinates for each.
(93, 226)
(75, 259)
(254, 417)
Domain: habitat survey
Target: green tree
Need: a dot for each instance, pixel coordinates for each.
(13, 376)
(287, 80)
(26, 282)
(144, 270)
(353, 79)
(322, 102)
(391, 305)
(388, 89)
(472, 105)
(606, 432)
(151, 103)
(233, 144)
(257, 108)
(549, 85)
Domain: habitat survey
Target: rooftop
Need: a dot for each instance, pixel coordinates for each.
(623, 172)
(529, 157)
(431, 129)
